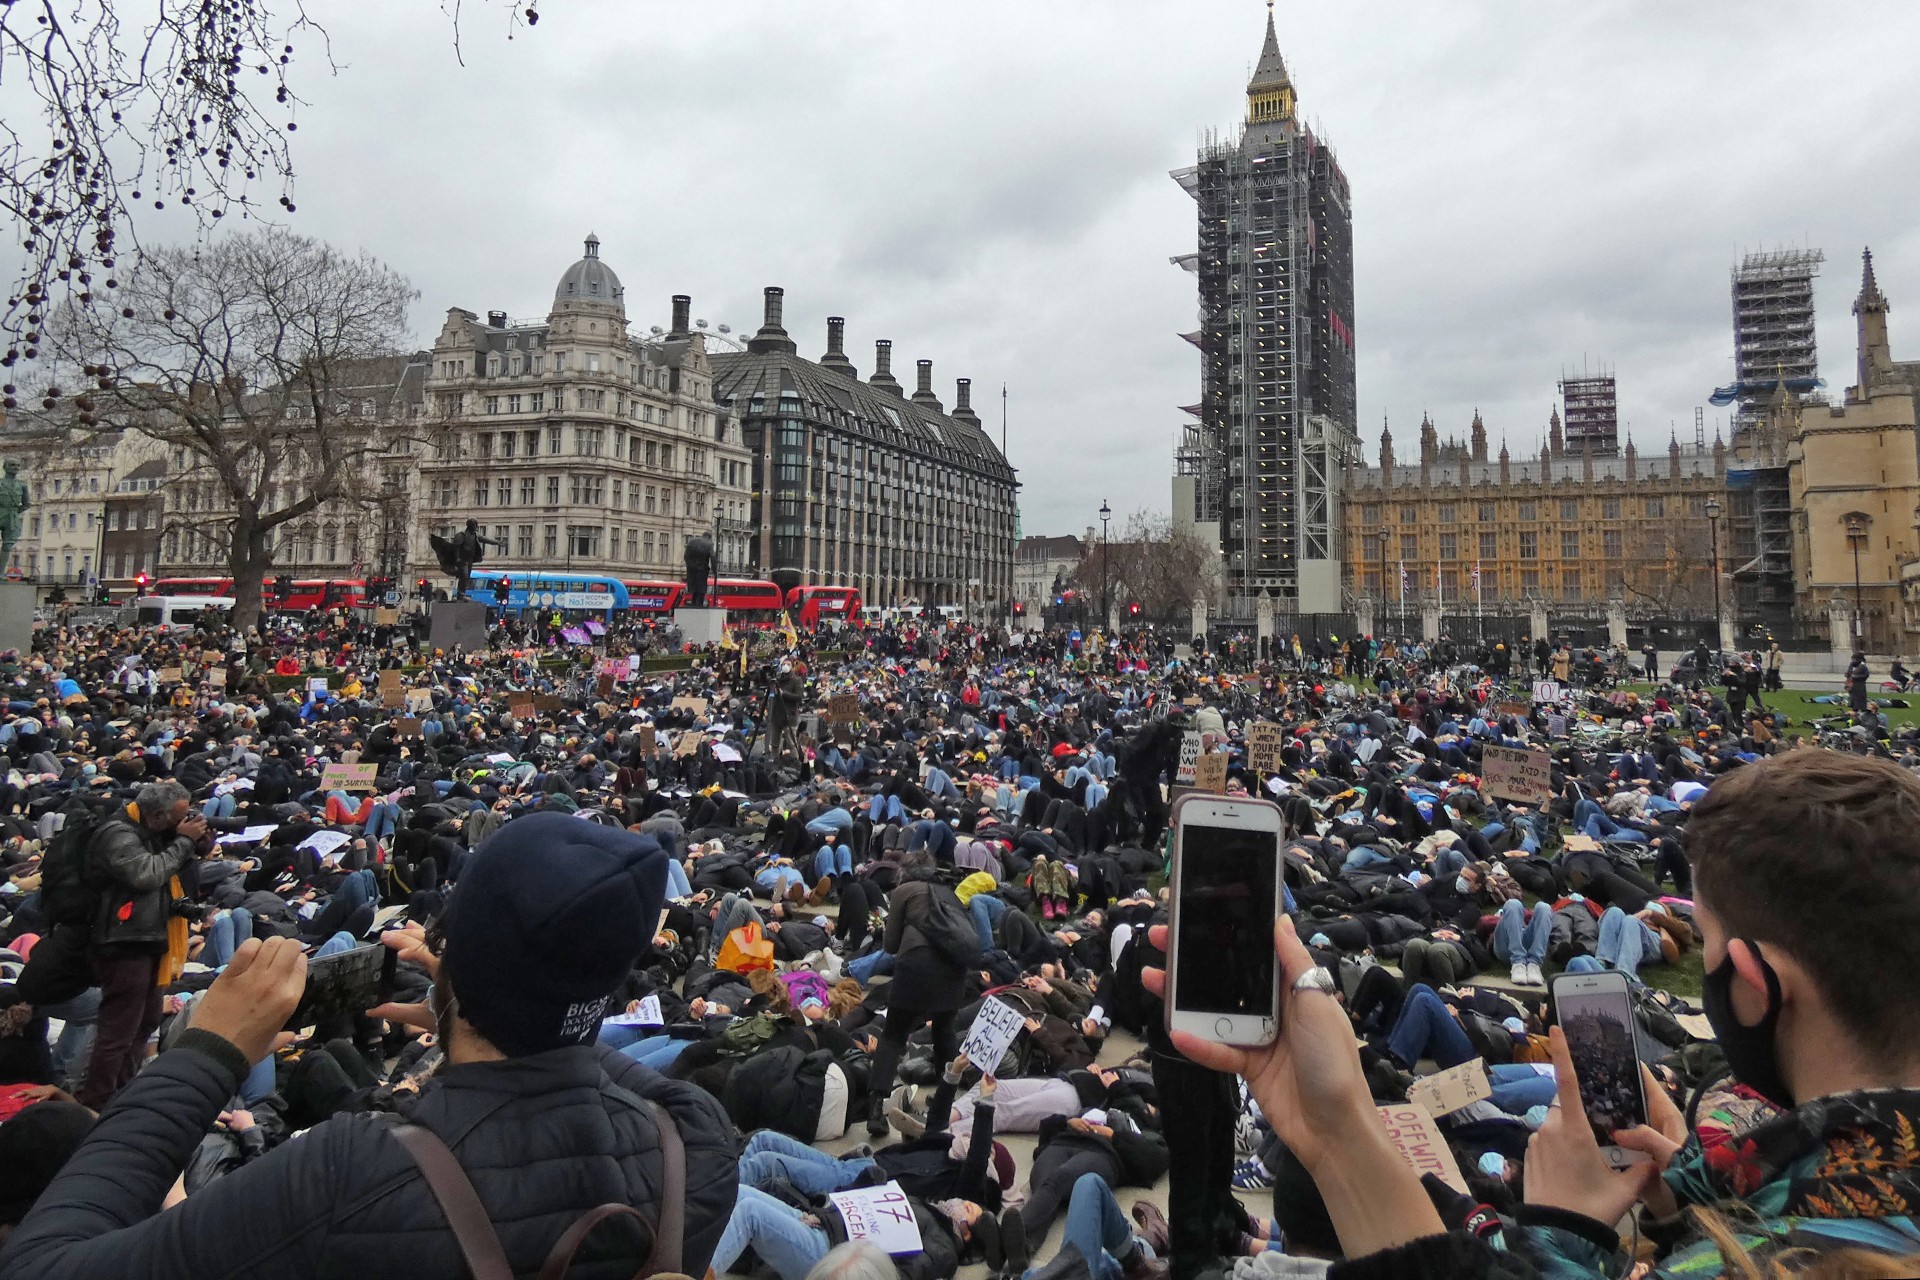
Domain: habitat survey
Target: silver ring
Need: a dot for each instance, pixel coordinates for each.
(1315, 979)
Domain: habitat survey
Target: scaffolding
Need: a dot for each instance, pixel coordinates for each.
(1759, 552)
(1590, 405)
(1773, 331)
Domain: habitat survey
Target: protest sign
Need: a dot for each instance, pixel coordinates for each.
(1546, 691)
(406, 727)
(603, 685)
(1516, 774)
(390, 679)
(647, 1015)
(349, 777)
(547, 702)
(419, 700)
(217, 677)
(843, 706)
(1210, 773)
(881, 1215)
(520, 706)
(385, 617)
(994, 1029)
(1416, 1137)
(1447, 1091)
(688, 744)
(643, 737)
(696, 705)
(1189, 756)
(316, 684)
(169, 675)
(1264, 742)
(322, 843)
(1556, 726)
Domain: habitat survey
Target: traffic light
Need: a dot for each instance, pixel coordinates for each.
(421, 589)
(1133, 609)
(140, 581)
(283, 587)
(503, 590)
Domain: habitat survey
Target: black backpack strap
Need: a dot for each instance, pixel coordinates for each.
(479, 1243)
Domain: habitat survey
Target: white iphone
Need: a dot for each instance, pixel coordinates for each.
(1595, 1013)
(1223, 980)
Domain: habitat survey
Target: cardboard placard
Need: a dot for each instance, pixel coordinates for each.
(385, 617)
(210, 656)
(645, 739)
(1580, 843)
(1264, 742)
(686, 703)
(882, 1215)
(603, 686)
(993, 1031)
(316, 684)
(688, 744)
(1445, 1092)
(924, 665)
(391, 679)
(1210, 773)
(520, 706)
(393, 699)
(1514, 709)
(1517, 774)
(419, 700)
(349, 777)
(406, 727)
(1189, 756)
(843, 707)
(547, 702)
(169, 675)
(217, 677)
(1416, 1137)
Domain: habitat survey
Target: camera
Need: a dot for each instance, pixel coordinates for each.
(188, 910)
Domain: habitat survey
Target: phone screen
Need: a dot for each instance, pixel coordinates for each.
(345, 982)
(1599, 1030)
(1227, 895)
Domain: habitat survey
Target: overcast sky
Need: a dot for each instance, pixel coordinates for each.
(985, 183)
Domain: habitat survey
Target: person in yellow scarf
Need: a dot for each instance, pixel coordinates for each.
(139, 941)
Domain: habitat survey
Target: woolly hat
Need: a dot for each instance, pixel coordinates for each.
(549, 916)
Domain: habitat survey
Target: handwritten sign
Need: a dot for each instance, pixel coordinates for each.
(169, 675)
(217, 677)
(1264, 742)
(688, 744)
(843, 707)
(385, 617)
(1546, 691)
(419, 700)
(316, 684)
(1447, 1091)
(1210, 773)
(1417, 1138)
(992, 1033)
(618, 668)
(1189, 757)
(1516, 774)
(1556, 726)
(546, 702)
(882, 1215)
(644, 738)
(520, 706)
(603, 685)
(1514, 709)
(349, 777)
(685, 703)
(406, 727)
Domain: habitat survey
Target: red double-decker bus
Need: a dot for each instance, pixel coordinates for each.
(748, 603)
(810, 606)
(307, 593)
(650, 597)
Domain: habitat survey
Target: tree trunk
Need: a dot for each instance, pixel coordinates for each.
(248, 561)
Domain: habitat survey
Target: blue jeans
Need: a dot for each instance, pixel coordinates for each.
(832, 860)
(1096, 1227)
(870, 966)
(74, 1044)
(1426, 1028)
(776, 880)
(358, 889)
(678, 886)
(1363, 857)
(770, 1154)
(1520, 936)
(218, 807)
(656, 1051)
(986, 911)
(224, 936)
(1517, 1087)
(342, 941)
(383, 821)
(939, 783)
(886, 809)
(1448, 861)
(1624, 942)
(935, 836)
(734, 912)
(777, 1233)
(1591, 819)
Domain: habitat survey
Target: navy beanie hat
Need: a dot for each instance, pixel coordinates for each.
(548, 918)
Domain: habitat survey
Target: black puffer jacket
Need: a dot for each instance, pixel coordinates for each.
(134, 864)
(544, 1139)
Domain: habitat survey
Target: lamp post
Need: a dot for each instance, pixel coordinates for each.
(1857, 538)
(1106, 605)
(1713, 526)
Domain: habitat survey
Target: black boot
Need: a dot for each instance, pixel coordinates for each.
(877, 1126)
(1013, 1245)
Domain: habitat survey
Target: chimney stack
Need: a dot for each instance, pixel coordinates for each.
(883, 367)
(836, 357)
(682, 315)
(771, 336)
(923, 393)
(497, 319)
(963, 401)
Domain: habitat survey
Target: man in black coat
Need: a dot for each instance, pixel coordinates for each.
(544, 1123)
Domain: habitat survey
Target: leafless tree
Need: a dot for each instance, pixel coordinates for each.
(118, 110)
(237, 355)
(1152, 565)
(1668, 567)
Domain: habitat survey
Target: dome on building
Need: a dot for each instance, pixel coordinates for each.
(590, 279)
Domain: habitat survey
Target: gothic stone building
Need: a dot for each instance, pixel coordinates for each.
(1565, 527)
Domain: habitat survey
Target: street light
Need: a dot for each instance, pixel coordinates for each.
(1106, 514)
(1857, 538)
(1713, 526)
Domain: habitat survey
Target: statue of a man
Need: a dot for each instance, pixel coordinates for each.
(699, 566)
(458, 554)
(13, 502)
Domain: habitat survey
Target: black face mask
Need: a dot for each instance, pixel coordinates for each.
(1751, 1052)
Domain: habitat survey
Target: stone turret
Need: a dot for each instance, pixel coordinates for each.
(1556, 440)
(1633, 462)
(1479, 440)
(1506, 465)
(1386, 454)
(1673, 456)
(1875, 359)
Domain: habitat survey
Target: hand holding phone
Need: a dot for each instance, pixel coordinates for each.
(1223, 976)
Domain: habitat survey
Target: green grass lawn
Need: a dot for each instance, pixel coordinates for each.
(1798, 705)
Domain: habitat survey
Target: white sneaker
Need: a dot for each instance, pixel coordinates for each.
(1519, 973)
(1534, 977)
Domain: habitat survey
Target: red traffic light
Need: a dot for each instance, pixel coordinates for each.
(1134, 609)
(140, 580)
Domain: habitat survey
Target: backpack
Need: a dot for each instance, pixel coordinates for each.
(947, 927)
(69, 886)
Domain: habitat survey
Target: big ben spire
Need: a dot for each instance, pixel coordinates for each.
(1270, 92)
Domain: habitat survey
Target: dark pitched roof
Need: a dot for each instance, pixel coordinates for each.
(870, 412)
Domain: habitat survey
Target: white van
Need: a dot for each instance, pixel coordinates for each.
(176, 613)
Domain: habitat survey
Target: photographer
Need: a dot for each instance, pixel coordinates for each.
(139, 938)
